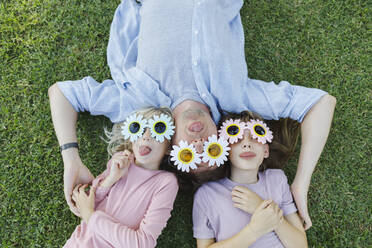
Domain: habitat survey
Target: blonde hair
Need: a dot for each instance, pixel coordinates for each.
(115, 138)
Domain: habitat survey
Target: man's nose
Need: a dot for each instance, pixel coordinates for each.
(198, 144)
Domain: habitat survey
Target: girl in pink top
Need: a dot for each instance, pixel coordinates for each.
(129, 204)
(252, 206)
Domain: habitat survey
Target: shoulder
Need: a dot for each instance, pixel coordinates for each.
(208, 189)
(167, 180)
(274, 176)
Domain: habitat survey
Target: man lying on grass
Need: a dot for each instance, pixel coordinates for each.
(170, 53)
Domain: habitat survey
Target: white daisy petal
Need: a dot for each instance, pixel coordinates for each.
(260, 131)
(161, 126)
(215, 151)
(133, 127)
(185, 156)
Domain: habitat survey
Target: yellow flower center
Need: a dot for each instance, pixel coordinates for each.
(214, 150)
(185, 156)
(232, 130)
(259, 129)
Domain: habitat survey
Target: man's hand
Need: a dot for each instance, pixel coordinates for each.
(245, 199)
(266, 218)
(84, 201)
(74, 173)
(300, 197)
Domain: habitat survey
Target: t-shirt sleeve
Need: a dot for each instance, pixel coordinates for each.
(153, 222)
(283, 100)
(201, 225)
(287, 204)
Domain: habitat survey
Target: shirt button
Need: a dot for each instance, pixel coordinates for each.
(199, 2)
(196, 32)
(195, 63)
(203, 95)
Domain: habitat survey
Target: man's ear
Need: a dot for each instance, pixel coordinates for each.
(266, 151)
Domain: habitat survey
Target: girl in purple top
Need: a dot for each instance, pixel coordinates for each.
(252, 206)
(130, 202)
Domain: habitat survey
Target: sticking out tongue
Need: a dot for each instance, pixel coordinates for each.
(196, 126)
(144, 150)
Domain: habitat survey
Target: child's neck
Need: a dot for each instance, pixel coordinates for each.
(244, 176)
(147, 166)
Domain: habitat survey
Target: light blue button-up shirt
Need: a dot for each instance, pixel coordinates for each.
(218, 66)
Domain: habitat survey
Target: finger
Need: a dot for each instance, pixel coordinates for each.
(276, 207)
(127, 153)
(307, 222)
(272, 206)
(281, 214)
(115, 162)
(237, 200)
(92, 191)
(240, 206)
(76, 189)
(122, 163)
(264, 204)
(75, 210)
(83, 188)
(131, 158)
(69, 200)
(237, 194)
(241, 189)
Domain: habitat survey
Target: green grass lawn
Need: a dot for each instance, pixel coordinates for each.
(314, 43)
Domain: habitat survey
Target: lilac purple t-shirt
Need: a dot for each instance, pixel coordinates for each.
(214, 215)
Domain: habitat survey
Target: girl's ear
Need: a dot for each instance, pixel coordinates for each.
(266, 151)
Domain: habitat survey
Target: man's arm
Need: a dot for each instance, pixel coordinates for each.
(314, 131)
(64, 120)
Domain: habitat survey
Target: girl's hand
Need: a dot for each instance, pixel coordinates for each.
(119, 164)
(266, 218)
(245, 199)
(84, 202)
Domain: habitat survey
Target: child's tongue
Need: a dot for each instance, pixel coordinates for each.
(144, 150)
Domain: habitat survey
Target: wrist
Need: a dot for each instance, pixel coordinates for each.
(87, 216)
(280, 224)
(70, 156)
(252, 234)
(109, 181)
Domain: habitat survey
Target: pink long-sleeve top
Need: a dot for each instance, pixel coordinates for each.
(132, 213)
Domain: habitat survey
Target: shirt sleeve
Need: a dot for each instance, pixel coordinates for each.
(123, 36)
(153, 222)
(89, 95)
(201, 225)
(283, 100)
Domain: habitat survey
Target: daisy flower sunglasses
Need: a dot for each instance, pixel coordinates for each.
(216, 149)
(161, 127)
